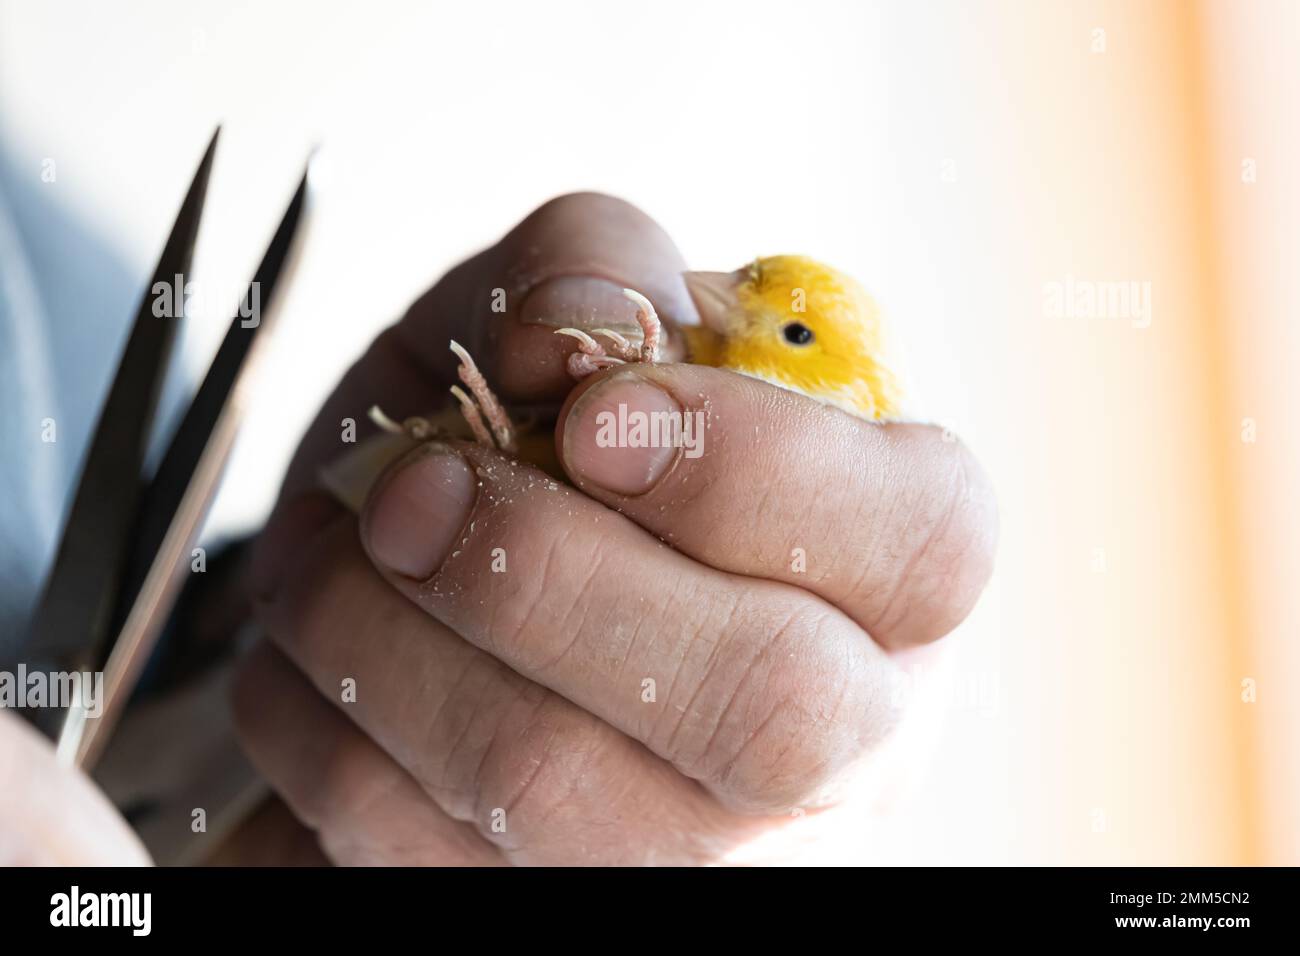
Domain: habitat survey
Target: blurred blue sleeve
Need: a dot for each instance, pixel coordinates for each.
(67, 297)
(33, 469)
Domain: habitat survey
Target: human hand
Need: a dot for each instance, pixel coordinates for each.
(601, 697)
(51, 815)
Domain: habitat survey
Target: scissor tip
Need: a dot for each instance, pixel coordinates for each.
(316, 168)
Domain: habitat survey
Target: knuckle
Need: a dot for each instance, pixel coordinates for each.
(350, 790)
(782, 733)
(973, 534)
(950, 534)
(959, 540)
(456, 741)
(534, 767)
(506, 755)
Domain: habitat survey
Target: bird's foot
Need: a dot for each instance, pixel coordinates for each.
(481, 409)
(481, 403)
(592, 356)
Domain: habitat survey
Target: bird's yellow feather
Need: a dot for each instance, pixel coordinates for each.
(805, 326)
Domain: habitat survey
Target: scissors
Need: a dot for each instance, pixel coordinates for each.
(126, 548)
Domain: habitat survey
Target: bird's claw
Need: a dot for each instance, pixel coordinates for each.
(414, 428)
(592, 356)
(651, 329)
(498, 432)
(481, 409)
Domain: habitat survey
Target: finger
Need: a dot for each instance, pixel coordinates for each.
(564, 265)
(51, 815)
(893, 524)
(536, 775)
(764, 693)
(365, 808)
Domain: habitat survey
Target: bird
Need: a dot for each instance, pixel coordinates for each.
(788, 320)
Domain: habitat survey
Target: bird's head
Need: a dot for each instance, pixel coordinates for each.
(797, 323)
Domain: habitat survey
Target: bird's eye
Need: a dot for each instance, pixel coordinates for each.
(796, 333)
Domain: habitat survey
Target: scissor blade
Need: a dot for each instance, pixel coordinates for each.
(181, 493)
(177, 469)
(70, 627)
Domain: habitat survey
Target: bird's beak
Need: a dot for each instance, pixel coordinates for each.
(715, 295)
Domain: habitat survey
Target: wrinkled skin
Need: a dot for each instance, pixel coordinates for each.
(503, 717)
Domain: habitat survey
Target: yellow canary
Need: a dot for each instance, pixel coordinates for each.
(799, 324)
(788, 320)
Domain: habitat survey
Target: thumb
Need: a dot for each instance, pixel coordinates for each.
(566, 264)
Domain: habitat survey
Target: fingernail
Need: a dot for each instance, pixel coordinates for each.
(614, 436)
(289, 529)
(419, 512)
(581, 302)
